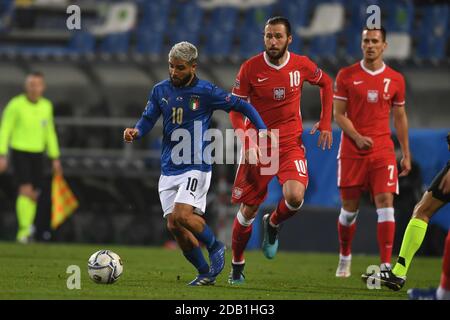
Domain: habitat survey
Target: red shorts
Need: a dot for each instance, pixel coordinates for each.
(250, 184)
(376, 174)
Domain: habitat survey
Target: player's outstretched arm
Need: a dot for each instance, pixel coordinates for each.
(340, 108)
(401, 128)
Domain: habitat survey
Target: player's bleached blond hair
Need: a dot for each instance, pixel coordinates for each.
(185, 51)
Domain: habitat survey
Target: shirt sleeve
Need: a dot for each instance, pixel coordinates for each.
(242, 85)
(340, 91)
(222, 100)
(311, 73)
(52, 138)
(399, 98)
(6, 126)
(149, 116)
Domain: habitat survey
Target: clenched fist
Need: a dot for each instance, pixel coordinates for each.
(130, 134)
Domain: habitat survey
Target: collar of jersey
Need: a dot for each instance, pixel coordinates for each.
(372, 73)
(274, 66)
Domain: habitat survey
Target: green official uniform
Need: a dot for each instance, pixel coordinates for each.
(28, 129)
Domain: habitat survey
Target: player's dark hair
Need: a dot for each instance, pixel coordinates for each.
(280, 20)
(381, 29)
(36, 73)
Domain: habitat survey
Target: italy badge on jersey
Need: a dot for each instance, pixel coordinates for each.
(194, 103)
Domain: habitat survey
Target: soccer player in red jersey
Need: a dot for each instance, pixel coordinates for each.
(272, 81)
(365, 94)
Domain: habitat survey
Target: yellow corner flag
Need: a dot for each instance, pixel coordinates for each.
(64, 201)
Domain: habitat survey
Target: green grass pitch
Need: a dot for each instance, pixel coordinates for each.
(38, 271)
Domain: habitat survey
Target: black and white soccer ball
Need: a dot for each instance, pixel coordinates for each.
(105, 266)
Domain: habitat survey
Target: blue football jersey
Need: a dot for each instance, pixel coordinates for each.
(189, 108)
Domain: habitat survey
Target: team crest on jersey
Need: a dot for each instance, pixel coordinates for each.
(237, 193)
(194, 103)
(278, 93)
(372, 96)
(44, 123)
(237, 84)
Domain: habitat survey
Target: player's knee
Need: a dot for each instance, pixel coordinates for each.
(347, 218)
(384, 200)
(423, 211)
(172, 226)
(294, 200)
(249, 211)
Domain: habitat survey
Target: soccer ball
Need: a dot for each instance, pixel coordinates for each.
(105, 266)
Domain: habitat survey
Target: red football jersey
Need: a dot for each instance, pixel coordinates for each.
(275, 91)
(370, 95)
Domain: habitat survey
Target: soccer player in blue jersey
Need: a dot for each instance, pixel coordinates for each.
(185, 102)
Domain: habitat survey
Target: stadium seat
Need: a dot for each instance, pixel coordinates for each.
(187, 23)
(400, 15)
(120, 18)
(399, 46)
(115, 43)
(432, 32)
(219, 33)
(251, 30)
(81, 42)
(328, 19)
(148, 41)
(323, 47)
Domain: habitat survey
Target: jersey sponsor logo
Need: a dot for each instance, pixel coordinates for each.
(179, 98)
(279, 93)
(372, 96)
(194, 103)
(237, 192)
(164, 100)
(262, 79)
(357, 82)
(44, 123)
(386, 96)
(390, 184)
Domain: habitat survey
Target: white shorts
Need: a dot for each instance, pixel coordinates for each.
(190, 187)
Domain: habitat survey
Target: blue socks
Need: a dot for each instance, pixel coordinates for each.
(208, 238)
(195, 256)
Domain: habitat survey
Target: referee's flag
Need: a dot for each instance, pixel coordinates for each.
(64, 201)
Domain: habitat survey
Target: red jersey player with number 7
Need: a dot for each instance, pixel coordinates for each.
(365, 95)
(272, 81)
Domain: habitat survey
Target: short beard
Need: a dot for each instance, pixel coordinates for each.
(181, 82)
(278, 55)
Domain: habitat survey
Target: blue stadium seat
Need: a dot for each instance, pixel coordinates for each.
(154, 14)
(187, 23)
(358, 20)
(251, 31)
(81, 42)
(432, 32)
(219, 32)
(115, 43)
(149, 41)
(323, 47)
(400, 15)
(297, 11)
(6, 14)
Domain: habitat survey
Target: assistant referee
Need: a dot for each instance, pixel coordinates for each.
(27, 128)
